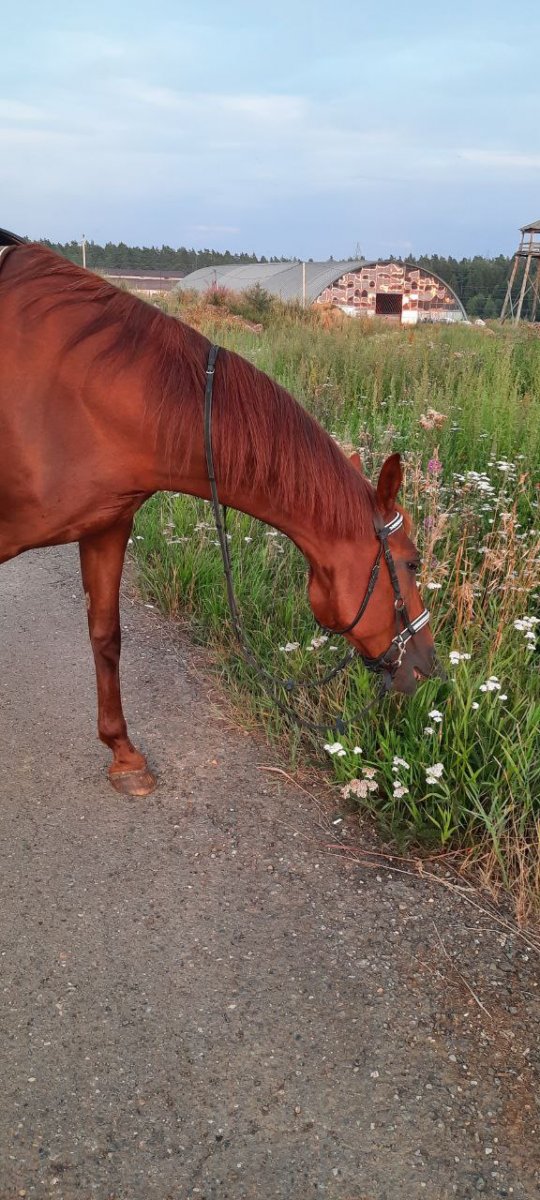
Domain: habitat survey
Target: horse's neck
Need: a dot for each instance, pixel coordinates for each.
(300, 516)
(300, 527)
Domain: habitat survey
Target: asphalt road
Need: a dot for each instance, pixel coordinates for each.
(199, 998)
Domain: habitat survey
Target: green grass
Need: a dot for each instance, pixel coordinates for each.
(480, 543)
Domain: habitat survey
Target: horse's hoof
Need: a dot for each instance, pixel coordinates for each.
(133, 783)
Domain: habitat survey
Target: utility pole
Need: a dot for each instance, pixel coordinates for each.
(83, 248)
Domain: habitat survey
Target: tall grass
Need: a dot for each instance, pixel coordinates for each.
(459, 763)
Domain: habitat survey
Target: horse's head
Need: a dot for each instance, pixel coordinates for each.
(369, 592)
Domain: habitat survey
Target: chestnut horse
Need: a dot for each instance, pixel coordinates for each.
(101, 405)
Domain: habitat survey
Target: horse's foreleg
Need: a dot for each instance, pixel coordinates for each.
(102, 558)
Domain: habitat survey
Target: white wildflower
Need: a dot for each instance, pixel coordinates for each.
(475, 705)
(429, 729)
(317, 642)
(399, 762)
(334, 748)
(456, 656)
(434, 773)
(436, 716)
(491, 685)
(358, 750)
(432, 586)
(400, 790)
(358, 787)
(289, 647)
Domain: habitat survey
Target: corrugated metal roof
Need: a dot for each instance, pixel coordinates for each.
(534, 227)
(285, 279)
(280, 279)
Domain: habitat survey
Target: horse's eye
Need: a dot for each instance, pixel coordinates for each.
(413, 566)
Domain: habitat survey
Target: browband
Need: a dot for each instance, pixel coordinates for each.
(392, 526)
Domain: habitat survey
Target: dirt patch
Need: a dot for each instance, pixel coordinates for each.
(199, 1000)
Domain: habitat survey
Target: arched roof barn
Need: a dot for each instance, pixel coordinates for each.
(397, 291)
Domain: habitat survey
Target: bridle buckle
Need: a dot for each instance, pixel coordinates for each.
(400, 643)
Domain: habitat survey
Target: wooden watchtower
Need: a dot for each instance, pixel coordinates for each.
(524, 283)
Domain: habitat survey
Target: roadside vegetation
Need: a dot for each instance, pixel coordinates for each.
(458, 765)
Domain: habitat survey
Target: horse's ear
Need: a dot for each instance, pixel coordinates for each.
(356, 461)
(388, 485)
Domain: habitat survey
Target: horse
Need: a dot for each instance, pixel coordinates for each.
(102, 405)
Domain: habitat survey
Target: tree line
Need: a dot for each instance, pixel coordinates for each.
(479, 282)
(117, 256)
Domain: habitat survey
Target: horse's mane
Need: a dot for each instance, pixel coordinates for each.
(262, 437)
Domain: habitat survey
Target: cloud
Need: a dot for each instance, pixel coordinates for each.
(27, 139)
(250, 148)
(155, 97)
(505, 159)
(17, 110)
(85, 47)
(215, 229)
(224, 129)
(270, 108)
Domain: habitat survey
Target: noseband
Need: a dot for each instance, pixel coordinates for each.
(390, 660)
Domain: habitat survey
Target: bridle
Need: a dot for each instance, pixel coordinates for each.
(390, 660)
(386, 664)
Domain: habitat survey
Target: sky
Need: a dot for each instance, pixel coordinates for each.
(295, 127)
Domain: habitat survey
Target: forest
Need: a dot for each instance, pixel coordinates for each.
(479, 282)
